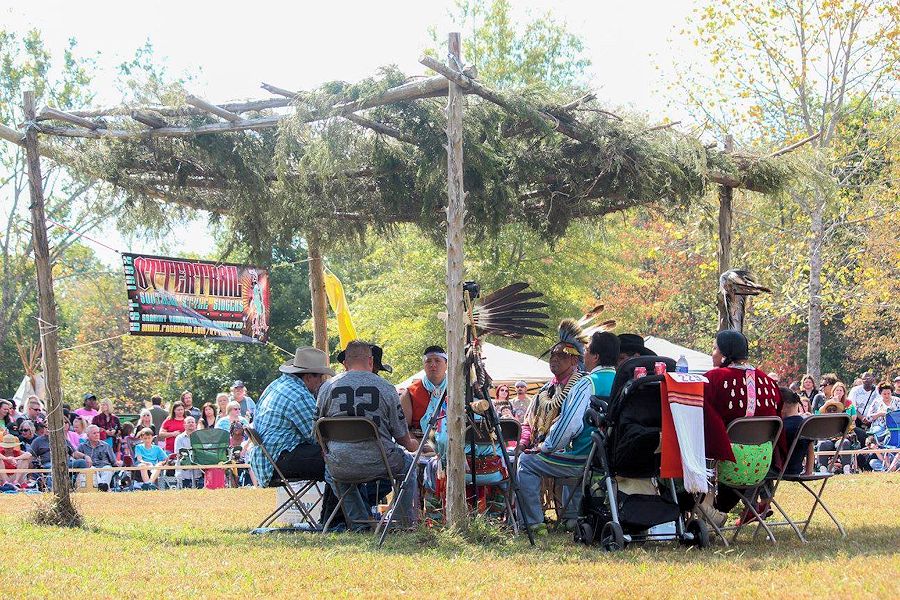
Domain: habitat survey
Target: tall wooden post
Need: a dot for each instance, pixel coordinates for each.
(65, 510)
(726, 196)
(317, 294)
(455, 327)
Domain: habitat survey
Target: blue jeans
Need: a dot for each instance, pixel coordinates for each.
(357, 510)
(531, 469)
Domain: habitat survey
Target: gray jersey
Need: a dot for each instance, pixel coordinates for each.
(364, 394)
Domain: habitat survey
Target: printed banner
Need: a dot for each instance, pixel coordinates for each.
(196, 298)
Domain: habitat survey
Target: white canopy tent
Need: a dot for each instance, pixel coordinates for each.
(698, 362)
(506, 366)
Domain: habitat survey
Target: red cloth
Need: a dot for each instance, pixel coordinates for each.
(419, 397)
(684, 393)
(176, 425)
(9, 458)
(725, 399)
(214, 479)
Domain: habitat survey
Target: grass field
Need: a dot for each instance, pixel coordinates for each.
(195, 544)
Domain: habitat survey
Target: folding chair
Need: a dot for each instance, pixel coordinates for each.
(512, 432)
(353, 430)
(208, 447)
(294, 497)
(753, 431)
(814, 428)
(892, 419)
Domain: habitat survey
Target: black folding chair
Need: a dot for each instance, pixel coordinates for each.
(353, 430)
(294, 496)
(815, 428)
(753, 431)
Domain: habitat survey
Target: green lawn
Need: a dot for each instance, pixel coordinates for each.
(195, 543)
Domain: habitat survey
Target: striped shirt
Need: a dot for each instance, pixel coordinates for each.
(285, 417)
(568, 442)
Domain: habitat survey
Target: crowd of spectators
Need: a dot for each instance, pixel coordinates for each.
(97, 437)
(869, 403)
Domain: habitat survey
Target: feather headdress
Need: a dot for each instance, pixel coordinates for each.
(574, 336)
(571, 339)
(510, 311)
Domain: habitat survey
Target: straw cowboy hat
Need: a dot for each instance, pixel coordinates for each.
(308, 360)
(10, 441)
(832, 406)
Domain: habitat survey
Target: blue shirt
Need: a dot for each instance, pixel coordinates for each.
(153, 455)
(285, 416)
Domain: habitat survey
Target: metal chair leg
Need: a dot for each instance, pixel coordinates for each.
(749, 504)
(818, 501)
(295, 500)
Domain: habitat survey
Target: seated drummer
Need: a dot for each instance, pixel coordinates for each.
(418, 395)
(361, 393)
(567, 444)
(285, 417)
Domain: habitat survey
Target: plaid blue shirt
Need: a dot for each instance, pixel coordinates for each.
(285, 416)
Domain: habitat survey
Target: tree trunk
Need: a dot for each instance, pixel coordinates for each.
(63, 509)
(317, 294)
(456, 512)
(814, 336)
(726, 197)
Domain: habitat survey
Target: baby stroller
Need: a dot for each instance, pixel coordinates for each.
(628, 424)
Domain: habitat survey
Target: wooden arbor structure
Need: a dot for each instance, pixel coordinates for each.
(587, 169)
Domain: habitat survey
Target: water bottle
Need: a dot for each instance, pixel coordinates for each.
(681, 366)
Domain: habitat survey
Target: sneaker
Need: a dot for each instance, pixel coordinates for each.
(103, 487)
(846, 469)
(569, 525)
(539, 530)
(715, 516)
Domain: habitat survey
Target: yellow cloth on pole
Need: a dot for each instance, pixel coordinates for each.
(335, 292)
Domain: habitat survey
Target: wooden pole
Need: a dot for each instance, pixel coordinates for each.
(726, 196)
(65, 510)
(317, 294)
(455, 327)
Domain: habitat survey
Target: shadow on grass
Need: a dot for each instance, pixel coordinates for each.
(825, 544)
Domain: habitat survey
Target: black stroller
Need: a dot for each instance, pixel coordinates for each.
(628, 424)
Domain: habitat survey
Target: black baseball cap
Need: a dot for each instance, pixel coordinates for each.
(377, 356)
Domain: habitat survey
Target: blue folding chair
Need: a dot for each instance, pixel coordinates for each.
(892, 419)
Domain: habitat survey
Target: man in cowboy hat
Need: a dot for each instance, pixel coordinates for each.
(632, 345)
(285, 417)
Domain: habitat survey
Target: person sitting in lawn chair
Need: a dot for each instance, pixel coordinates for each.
(187, 478)
(99, 454)
(148, 454)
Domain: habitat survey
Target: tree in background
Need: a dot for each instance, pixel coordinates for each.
(80, 205)
(510, 53)
(785, 70)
